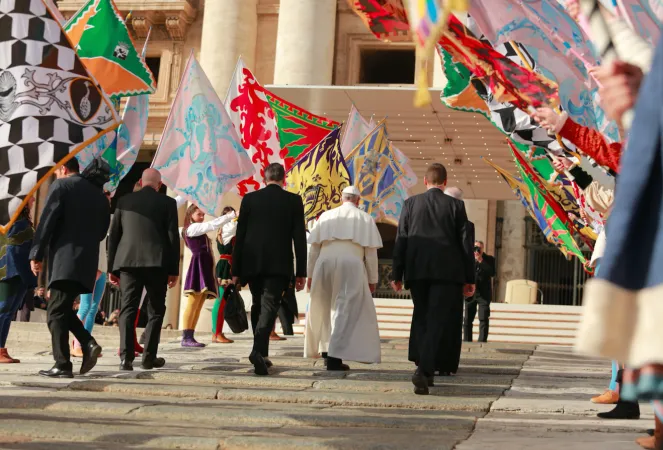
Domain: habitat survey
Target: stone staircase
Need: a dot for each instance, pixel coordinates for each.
(525, 324)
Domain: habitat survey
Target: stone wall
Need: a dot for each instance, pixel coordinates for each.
(511, 261)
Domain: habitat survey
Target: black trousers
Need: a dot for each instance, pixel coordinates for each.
(267, 294)
(62, 319)
(435, 310)
(132, 283)
(471, 307)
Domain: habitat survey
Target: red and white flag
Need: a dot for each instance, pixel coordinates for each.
(255, 122)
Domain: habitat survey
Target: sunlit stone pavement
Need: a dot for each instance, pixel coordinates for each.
(505, 396)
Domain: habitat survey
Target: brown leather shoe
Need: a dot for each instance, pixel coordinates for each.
(276, 337)
(648, 442)
(221, 339)
(76, 352)
(607, 398)
(6, 359)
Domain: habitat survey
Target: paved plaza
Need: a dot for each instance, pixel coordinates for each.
(505, 396)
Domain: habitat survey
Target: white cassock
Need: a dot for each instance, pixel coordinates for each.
(342, 261)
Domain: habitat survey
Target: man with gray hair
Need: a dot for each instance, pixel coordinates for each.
(343, 272)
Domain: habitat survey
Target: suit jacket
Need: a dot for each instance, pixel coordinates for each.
(270, 220)
(74, 220)
(485, 270)
(144, 233)
(432, 240)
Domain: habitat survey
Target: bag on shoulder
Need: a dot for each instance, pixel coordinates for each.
(234, 312)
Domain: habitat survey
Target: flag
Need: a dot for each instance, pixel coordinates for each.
(356, 129)
(427, 19)
(645, 17)
(299, 130)
(50, 108)
(376, 172)
(255, 123)
(103, 43)
(458, 93)
(524, 195)
(542, 31)
(200, 155)
(387, 19)
(555, 200)
(319, 176)
(121, 153)
(508, 81)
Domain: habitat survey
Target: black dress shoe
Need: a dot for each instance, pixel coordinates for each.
(56, 373)
(336, 365)
(90, 354)
(259, 364)
(268, 363)
(156, 363)
(126, 366)
(431, 381)
(623, 410)
(420, 382)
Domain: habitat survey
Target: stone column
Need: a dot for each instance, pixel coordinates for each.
(305, 42)
(511, 264)
(229, 31)
(477, 212)
(174, 294)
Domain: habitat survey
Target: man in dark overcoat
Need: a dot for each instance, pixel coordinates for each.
(74, 221)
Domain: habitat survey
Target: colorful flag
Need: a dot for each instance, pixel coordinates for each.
(524, 195)
(356, 129)
(299, 130)
(319, 176)
(104, 44)
(387, 19)
(377, 173)
(508, 81)
(51, 107)
(556, 200)
(542, 30)
(644, 16)
(255, 123)
(121, 153)
(427, 19)
(458, 93)
(200, 155)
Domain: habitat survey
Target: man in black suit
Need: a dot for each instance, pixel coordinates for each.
(485, 270)
(270, 220)
(448, 353)
(144, 253)
(430, 255)
(73, 223)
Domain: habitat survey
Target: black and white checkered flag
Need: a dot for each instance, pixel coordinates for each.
(50, 107)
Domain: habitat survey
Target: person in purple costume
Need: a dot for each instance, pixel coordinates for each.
(200, 283)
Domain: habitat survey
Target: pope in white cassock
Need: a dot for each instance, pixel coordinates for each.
(343, 271)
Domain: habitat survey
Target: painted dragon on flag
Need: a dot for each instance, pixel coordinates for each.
(255, 123)
(320, 176)
(103, 43)
(200, 155)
